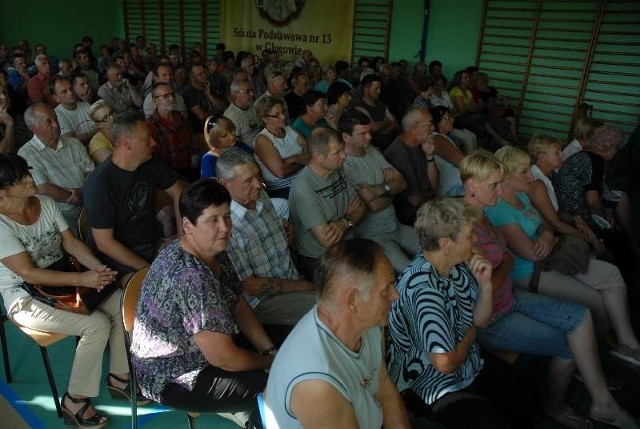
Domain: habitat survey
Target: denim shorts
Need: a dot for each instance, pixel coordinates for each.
(536, 325)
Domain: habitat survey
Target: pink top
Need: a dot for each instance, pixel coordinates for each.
(493, 249)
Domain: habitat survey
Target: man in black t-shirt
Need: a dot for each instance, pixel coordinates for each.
(120, 198)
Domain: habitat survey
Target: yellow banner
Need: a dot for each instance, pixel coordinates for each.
(325, 27)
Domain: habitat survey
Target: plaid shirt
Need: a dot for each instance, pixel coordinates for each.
(258, 245)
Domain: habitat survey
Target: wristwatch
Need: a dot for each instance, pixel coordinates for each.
(349, 222)
(386, 188)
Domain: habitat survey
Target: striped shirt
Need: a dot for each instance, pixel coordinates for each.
(432, 315)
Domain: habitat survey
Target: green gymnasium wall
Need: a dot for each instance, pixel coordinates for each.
(454, 32)
(59, 25)
(452, 37)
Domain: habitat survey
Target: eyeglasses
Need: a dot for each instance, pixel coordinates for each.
(447, 117)
(249, 91)
(165, 96)
(105, 119)
(280, 114)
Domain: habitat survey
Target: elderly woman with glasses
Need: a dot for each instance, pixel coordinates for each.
(101, 147)
(445, 296)
(281, 152)
(34, 238)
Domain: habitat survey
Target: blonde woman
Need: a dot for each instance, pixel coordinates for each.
(547, 157)
(100, 147)
(601, 287)
(219, 133)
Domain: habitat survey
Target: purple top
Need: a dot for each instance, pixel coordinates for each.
(179, 298)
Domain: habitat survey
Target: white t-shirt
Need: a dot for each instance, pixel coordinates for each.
(75, 121)
(42, 241)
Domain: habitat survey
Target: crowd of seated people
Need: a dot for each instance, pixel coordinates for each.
(247, 183)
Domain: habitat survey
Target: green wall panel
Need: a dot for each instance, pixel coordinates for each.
(59, 25)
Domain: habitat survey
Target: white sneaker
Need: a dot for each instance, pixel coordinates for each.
(627, 355)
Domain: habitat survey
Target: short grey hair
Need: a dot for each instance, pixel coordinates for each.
(229, 159)
(412, 115)
(39, 58)
(236, 84)
(443, 218)
(606, 137)
(30, 114)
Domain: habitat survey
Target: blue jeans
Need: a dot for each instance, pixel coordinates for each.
(537, 325)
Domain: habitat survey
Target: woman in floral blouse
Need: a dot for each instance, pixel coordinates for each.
(190, 310)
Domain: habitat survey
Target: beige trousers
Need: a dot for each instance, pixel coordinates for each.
(102, 326)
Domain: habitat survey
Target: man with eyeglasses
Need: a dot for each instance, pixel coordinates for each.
(171, 131)
(73, 115)
(242, 113)
(163, 73)
(411, 153)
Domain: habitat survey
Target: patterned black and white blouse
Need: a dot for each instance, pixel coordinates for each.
(432, 315)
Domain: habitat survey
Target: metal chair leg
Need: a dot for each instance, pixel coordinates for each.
(192, 421)
(134, 401)
(5, 351)
(52, 381)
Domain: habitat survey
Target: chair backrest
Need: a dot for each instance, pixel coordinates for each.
(82, 225)
(130, 299)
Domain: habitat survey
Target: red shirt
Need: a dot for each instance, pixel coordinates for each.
(38, 89)
(173, 140)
